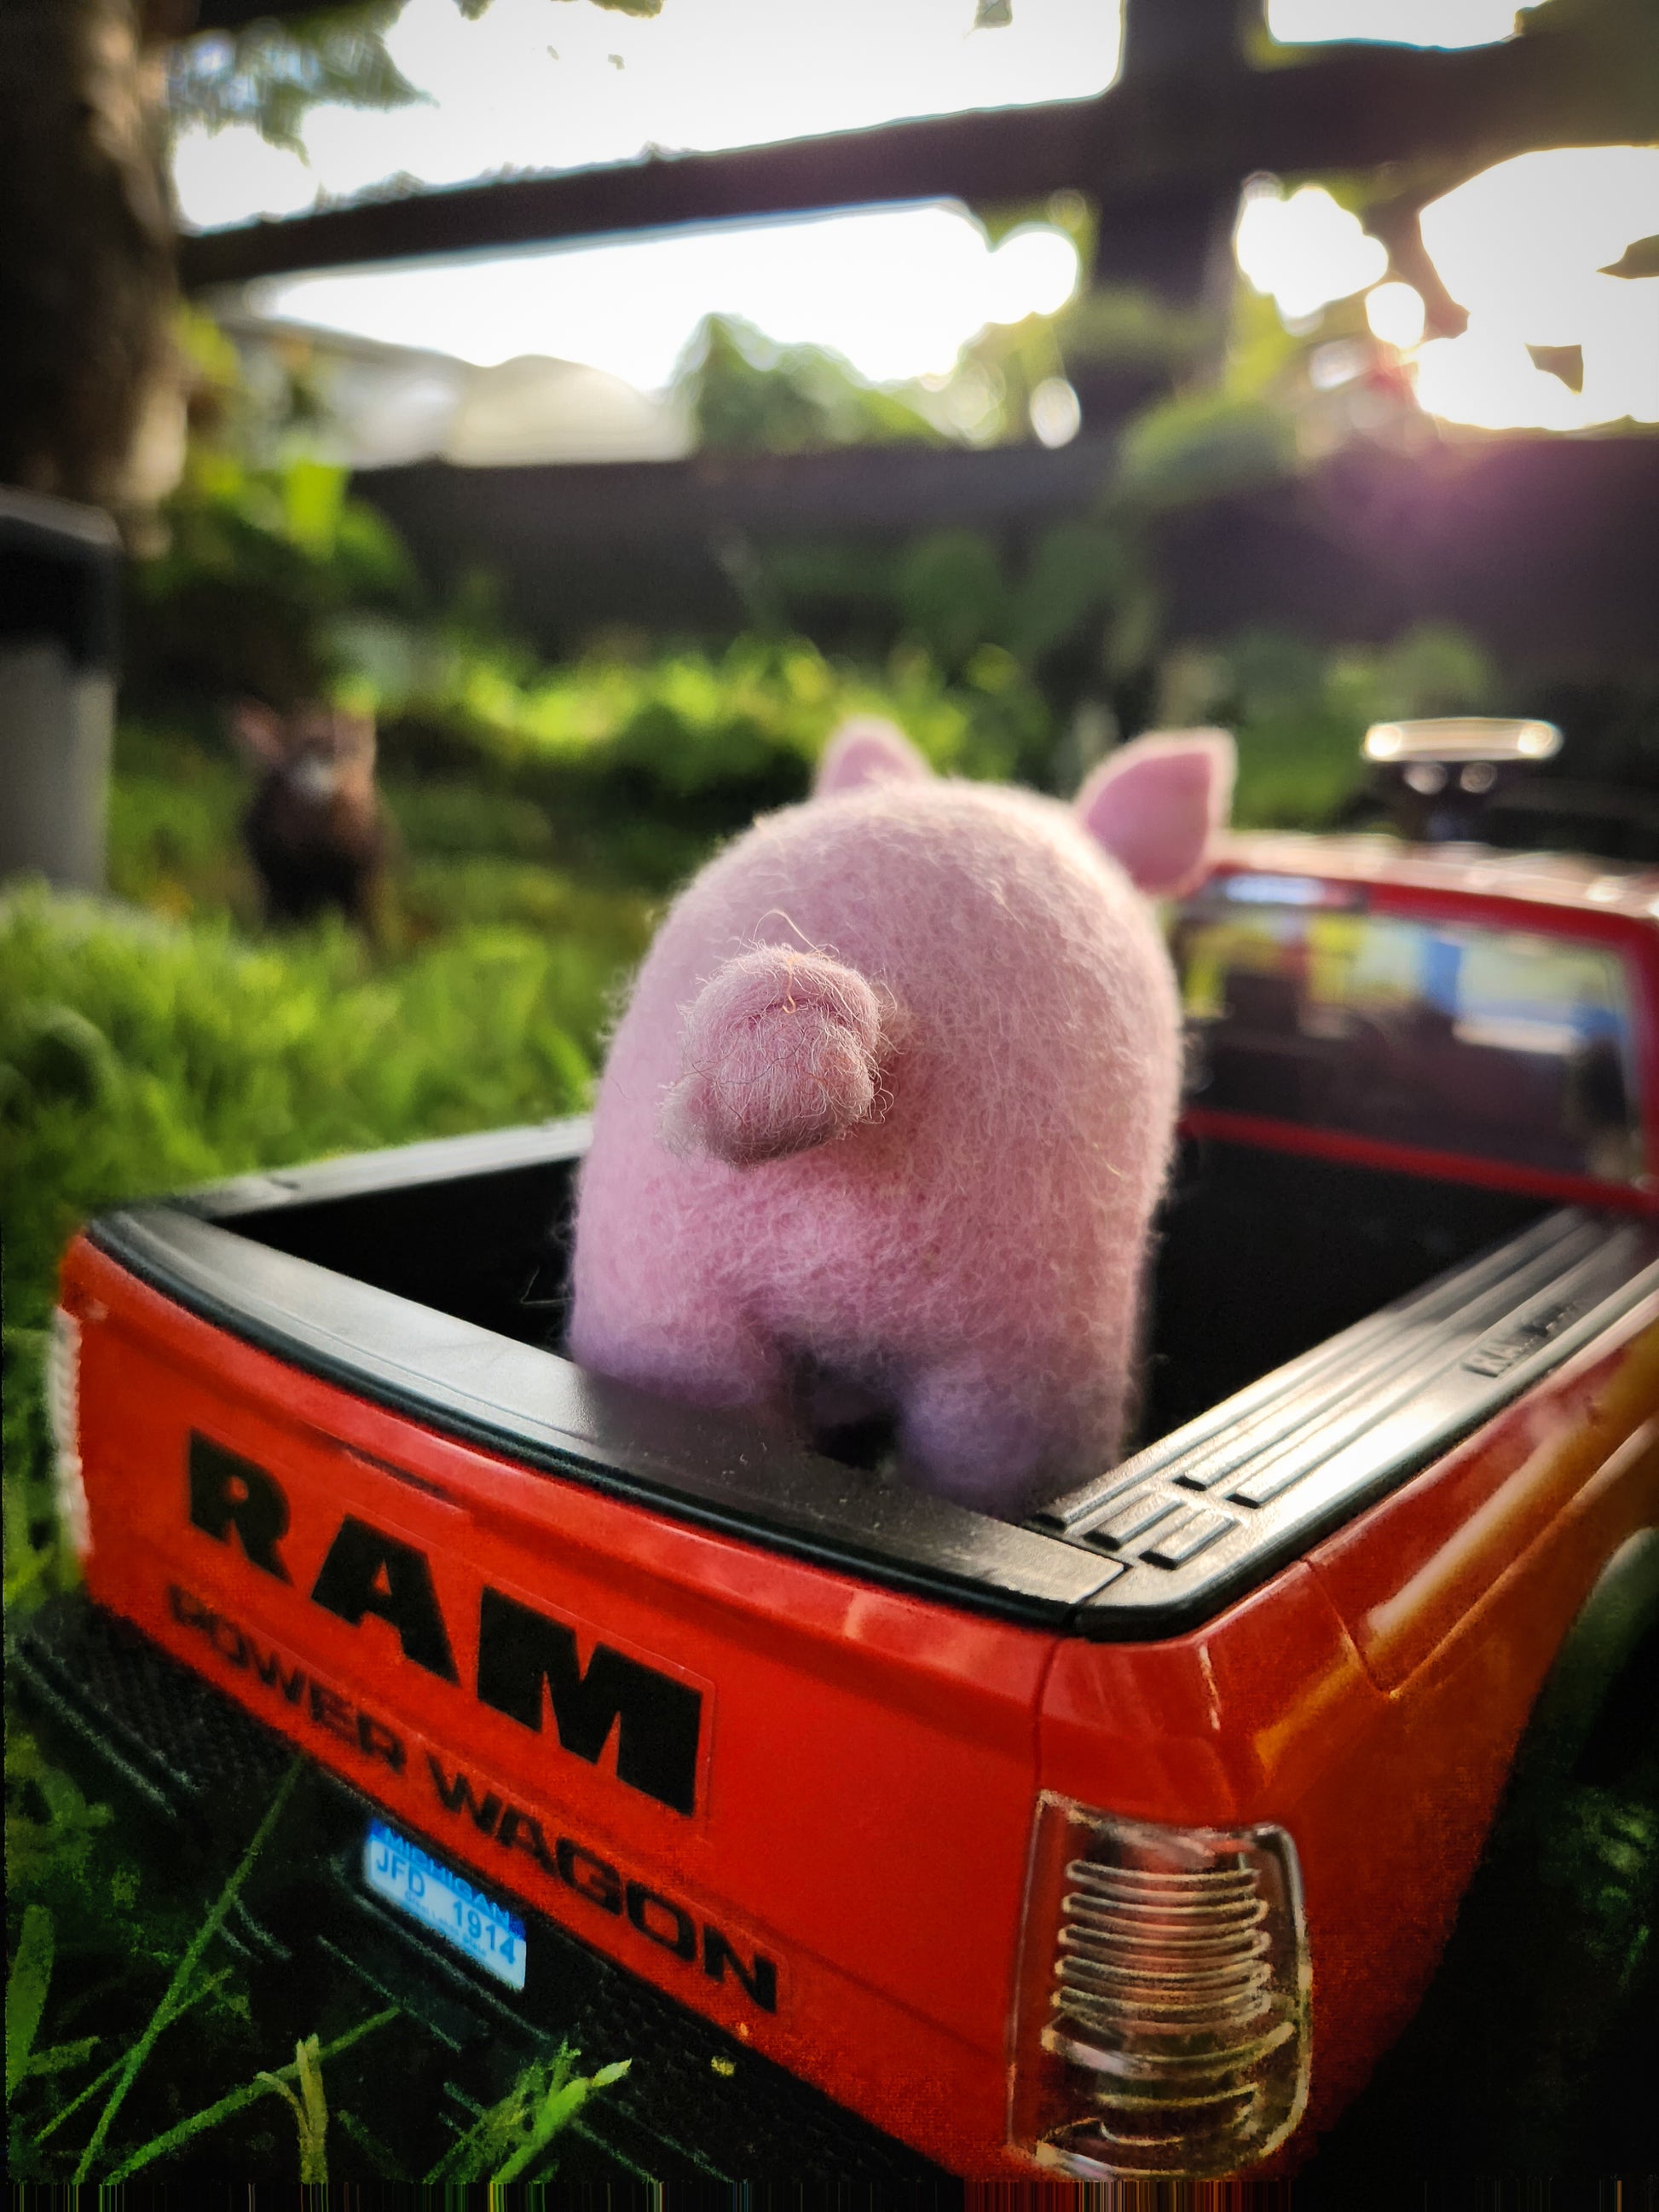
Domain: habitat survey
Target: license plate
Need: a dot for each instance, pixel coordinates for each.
(488, 1934)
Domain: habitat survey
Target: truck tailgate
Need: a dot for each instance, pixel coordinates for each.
(709, 1760)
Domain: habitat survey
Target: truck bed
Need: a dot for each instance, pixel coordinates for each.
(1387, 1316)
(810, 1751)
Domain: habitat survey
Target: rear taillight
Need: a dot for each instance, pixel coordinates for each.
(64, 1416)
(1162, 2017)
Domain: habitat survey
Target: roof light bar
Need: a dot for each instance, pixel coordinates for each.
(1463, 738)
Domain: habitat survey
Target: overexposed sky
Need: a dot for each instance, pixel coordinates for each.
(559, 84)
(556, 84)
(898, 291)
(1304, 248)
(1393, 22)
(1524, 247)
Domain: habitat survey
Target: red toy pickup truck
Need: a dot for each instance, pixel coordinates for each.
(1122, 1842)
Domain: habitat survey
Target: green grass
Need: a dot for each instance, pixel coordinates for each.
(175, 2019)
(160, 1039)
(137, 1055)
(156, 1040)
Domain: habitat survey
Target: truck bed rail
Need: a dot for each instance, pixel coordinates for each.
(1155, 1546)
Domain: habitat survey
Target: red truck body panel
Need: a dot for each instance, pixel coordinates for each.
(828, 1851)
(1561, 898)
(846, 1729)
(852, 1731)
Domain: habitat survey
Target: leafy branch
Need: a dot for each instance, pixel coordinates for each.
(270, 75)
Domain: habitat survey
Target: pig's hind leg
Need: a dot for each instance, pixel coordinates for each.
(704, 1356)
(965, 1435)
(1000, 1441)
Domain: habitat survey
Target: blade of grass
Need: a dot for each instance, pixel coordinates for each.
(556, 2112)
(63, 2055)
(310, 2110)
(264, 2085)
(496, 2128)
(80, 2098)
(203, 1989)
(380, 2154)
(26, 1992)
(185, 1968)
(451, 2167)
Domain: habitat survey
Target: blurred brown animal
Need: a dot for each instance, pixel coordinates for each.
(315, 832)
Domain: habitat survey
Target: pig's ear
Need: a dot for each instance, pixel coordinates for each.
(867, 750)
(260, 735)
(1155, 804)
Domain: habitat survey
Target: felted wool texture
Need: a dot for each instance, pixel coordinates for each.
(970, 1256)
(782, 1051)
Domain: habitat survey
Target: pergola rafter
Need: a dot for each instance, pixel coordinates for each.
(1188, 118)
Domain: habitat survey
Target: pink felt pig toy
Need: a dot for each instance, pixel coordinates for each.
(883, 1127)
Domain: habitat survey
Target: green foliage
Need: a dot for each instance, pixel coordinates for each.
(308, 2057)
(1603, 1849)
(511, 2140)
(692, 741)
(32, 1563)
(1129, 326)
(310, 2109)
(57, 1848)
(274, 581)
(260, 561)
(136, 1056)
(1300, 709)
(1077, 574)
(189, 1988)
(748, 395)
(25, 1993)
(448, 817)
(1199, 446)
(90, 1931)
(71, 1857)
(174, 816)
(78, 1904)
(1433, 668)
(179, 1987)
(952, 593)
(270, 74)
(995, 623)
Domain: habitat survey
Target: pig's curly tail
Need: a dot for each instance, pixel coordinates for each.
(781, 1051)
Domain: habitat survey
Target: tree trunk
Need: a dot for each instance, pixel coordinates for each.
(87, 251)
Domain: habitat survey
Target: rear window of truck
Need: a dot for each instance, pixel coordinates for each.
(1505, 1044)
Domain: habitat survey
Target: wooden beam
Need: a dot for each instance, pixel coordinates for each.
(1162, 128)
(1029, 152)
